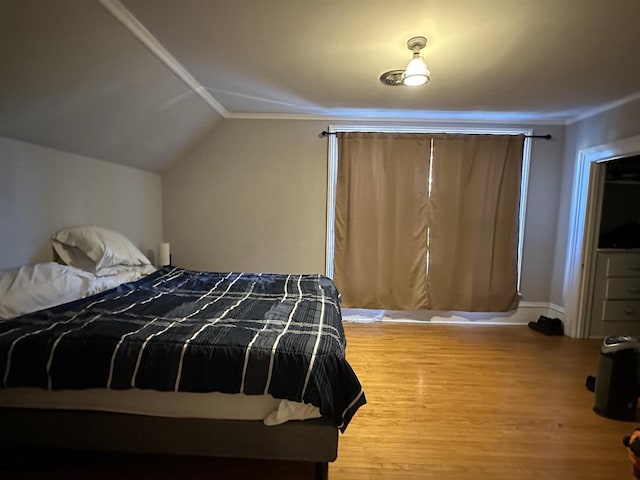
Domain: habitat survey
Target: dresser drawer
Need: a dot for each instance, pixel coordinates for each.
(623, 265)
(623, 288)
(621, 310)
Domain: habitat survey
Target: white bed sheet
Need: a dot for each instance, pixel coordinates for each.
(45, 285)
(221, 406)
(102, 281)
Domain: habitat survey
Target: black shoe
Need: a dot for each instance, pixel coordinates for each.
(542, 325)
(547, 326)
(590, 383)
(558, 327)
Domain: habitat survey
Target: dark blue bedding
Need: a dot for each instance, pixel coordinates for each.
(188, 331)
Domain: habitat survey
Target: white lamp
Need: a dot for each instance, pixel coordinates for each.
(164, 254)
(417, 72)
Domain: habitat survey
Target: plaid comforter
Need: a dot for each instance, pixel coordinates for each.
(188, 331)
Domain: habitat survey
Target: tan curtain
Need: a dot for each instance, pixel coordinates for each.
(473, 218)
(381, 215)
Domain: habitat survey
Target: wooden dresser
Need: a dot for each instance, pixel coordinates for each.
(615, 307)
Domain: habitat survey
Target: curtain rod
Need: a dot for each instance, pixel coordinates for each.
(325, 133)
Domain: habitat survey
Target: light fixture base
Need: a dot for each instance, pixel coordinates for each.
(416, 42)
(392, 78)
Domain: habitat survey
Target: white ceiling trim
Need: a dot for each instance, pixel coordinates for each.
(132, 24)
(424, 117)
(605, 107)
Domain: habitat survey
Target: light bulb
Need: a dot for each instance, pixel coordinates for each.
(416, 72)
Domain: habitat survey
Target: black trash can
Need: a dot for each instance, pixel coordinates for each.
(617, 384)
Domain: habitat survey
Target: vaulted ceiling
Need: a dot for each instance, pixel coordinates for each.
(138, 82)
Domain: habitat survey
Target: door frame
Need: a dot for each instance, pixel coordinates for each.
(581, 241)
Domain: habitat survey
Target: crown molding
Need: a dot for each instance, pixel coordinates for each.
(131, 23)
(605, 107)
(421, 117)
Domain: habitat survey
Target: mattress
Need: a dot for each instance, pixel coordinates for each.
(187, 332)
(213, 405)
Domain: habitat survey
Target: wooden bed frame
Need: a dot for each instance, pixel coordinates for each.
(307, 441)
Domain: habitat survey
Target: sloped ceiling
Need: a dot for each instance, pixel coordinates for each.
(77, 77)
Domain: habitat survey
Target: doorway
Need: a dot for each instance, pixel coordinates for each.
(579, 266)
(613, 302)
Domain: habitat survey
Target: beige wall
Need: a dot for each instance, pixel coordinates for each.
(609, 126)
(541, 217)
(43, 190)
(252, 197)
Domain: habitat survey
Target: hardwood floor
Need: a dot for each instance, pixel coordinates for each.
(444, 402)
(476, 402)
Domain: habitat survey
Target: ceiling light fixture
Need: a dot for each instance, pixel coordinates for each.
(416, 72)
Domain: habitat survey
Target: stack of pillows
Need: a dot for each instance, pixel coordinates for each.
(92, 259)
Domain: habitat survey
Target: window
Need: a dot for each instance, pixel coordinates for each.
(333, 170)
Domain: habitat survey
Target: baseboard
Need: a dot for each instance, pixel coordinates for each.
(557, 310)
(526, 312)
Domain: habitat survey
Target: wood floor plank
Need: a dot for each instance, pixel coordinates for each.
(466, 402)
(445, 402)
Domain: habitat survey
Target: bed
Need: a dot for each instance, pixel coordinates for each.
(172, 336)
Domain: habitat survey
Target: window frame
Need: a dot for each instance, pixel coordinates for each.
(332, 174)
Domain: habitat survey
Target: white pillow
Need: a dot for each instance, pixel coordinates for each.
(44, 285)
(105, 281)
(95, 248)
